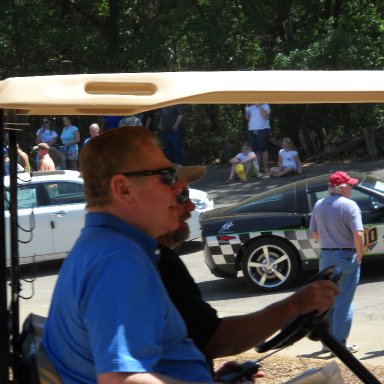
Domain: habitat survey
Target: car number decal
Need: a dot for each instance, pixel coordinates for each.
(370, 238)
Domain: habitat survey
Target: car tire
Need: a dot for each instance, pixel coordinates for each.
(269, 264)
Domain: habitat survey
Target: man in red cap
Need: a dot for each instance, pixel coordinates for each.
(336, 223)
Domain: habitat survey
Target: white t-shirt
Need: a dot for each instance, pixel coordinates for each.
(256, 120)
(288, 158)
(242, 158)
(46, 135)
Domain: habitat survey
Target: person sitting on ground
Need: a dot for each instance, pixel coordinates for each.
(289, 161)
(226, 336)
(244, 164)
(46, 163)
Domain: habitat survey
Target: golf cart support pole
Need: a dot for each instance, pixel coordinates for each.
(4, 330)
(14, 252)
(348, 359)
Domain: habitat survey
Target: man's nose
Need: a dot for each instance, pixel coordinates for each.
(176, 189)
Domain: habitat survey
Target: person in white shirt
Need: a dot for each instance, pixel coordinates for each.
(244, 164)
(289, 161)
(259, 129)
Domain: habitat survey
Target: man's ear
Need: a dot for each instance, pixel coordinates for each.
(121, 189)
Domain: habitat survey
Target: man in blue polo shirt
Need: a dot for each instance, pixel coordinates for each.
(111, 320)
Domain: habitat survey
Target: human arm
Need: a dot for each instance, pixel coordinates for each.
(247, 113)
(250, 158)
(358, 238)
(280, 161)
(315, 236)
(148, 122)
(25, 162)
(53, 140)
(264, 110)
(237, 334)
(235, 160)
(76, 138)
(38, 136)
(178, 121)
(298, 162)
(137, 378)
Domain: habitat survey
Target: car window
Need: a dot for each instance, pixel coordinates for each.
(281, 201)
(365, 200)
(65, 193)
(26, 197)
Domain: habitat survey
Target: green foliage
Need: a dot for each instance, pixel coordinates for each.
(204, 35)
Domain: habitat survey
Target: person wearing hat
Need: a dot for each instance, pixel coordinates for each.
(46, 163)
(215, 336)
(337, 224)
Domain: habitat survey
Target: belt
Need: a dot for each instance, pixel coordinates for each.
(338, 249)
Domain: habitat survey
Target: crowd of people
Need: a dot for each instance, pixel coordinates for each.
(253, 160)
(61, 149)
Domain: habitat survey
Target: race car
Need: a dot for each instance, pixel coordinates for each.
(267, 236)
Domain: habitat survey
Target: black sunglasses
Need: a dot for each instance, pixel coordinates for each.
(168, 176)
(46, 121)
(183, 196)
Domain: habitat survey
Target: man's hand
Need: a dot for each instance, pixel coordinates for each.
(231, 366)
(316, 296)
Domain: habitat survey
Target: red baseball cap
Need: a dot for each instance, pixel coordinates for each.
(340, 177)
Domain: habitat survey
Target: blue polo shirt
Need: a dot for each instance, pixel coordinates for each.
(111, 313)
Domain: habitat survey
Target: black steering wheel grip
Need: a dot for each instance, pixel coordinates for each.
(303, 325)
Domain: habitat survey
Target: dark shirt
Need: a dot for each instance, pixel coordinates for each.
(111, 122)
(201, 319)
(169, 116)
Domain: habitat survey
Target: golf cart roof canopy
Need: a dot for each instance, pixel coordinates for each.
(130, 93)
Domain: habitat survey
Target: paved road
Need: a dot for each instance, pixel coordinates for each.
(232, 297)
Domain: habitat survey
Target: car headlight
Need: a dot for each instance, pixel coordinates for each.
(199, 204)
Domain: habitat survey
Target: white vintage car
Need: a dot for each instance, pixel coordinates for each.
(51, 208)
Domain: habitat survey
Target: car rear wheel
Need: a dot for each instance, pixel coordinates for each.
(269, 264)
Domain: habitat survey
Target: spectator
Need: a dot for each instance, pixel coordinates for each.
(46, 163)
(6, 162)
(171, 126)
(214, 336)
(46, 134)
(130, 121)
(259, 128)
(336, 223)
(70, 137)
(147, 119)
(109, 122)
(110, 319)
(94, 130)
(244, 164)
(289, 161)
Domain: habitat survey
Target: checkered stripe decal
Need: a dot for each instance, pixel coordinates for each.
(224, 251)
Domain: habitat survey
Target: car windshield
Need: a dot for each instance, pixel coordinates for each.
(373, 184)
(279, 200)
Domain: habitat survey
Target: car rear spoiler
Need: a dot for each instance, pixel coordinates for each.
(131, 93)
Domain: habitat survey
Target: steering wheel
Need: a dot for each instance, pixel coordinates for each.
(302, 325)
